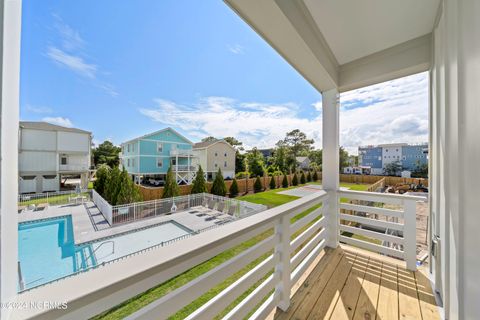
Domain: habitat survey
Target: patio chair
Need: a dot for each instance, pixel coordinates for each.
(211, 204)
(232, 209)
(221, 206)
(41, 206)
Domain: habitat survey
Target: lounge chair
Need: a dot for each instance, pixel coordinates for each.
(211, 204)
(221, 206)
(232, 210)
(41, 206)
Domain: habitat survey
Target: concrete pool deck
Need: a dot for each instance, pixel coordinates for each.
(89, 224)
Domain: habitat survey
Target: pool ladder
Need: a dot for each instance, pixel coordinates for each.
(93, 252)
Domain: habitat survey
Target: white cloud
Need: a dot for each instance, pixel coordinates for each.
(255, 124)
(38, 109)
(60, 121)
(71, 39)
(72, 62)
(394, 111)
(236, 49)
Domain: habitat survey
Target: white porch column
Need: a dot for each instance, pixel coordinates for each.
(10, 26)
(330, 161)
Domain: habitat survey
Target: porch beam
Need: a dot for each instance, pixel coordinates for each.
(330, 161)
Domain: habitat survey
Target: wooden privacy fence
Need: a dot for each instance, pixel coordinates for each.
(246, 185)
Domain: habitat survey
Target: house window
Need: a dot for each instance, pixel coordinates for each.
(128, 147)
(216, 165)
(159, 147)
(225, 164)
(159, 163)
(64, 160)
(128, 162)
(225, 154)
(216, 154)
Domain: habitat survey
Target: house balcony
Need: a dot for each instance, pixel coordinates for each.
(183, 153)
(65, 168)
(184, 168)
(302, 265)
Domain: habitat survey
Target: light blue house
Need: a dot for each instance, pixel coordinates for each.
(148, 158)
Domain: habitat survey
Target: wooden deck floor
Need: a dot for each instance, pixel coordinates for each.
(351, 284)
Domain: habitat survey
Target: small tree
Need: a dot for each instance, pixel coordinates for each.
(303, 180)
(315, 176)
(285, 181)
(113, 186)
(309, 177)
(257, 186)
(171, 188)
(273, 185)
(199, 184)
(100, 183)
(128, 191)
(295, 180)
(234, 189)
(392, 169)
(219, 188)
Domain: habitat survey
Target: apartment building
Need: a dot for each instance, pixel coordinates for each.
(49, 152)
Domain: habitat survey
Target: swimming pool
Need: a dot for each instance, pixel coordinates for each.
(47, 251)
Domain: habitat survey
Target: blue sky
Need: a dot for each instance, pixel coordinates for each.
(122, 69)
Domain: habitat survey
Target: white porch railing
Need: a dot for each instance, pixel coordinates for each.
(394, 228)
(184, 168)
(283, 255)
(73, 167)
(286, 260)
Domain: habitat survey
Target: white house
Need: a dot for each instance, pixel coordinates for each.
(214, 155)
(48, 152)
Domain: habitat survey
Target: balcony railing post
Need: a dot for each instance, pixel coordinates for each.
(331, 211)
(282, 268)
(410, 234)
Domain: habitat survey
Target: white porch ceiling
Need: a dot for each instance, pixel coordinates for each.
(354, 29)
(346, 44)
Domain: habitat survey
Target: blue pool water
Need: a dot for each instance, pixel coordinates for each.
(47, 252)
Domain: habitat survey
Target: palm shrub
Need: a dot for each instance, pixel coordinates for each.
(309, 177)
(315, 176)
(257, 186)
(234, 189)
(199, 184)
(128, 192)
(113, 186)
(285, 181)
(295, 180)
(100, 183)
(219, 188)
(273, 185)
(303, 180)
(171, 188)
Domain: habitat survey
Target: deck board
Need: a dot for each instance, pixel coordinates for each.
(349, 284)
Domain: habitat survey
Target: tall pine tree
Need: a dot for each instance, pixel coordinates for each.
(199, 184)
(171, 188)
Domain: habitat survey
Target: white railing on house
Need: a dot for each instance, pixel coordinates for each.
(185, 168)
(53, 198)
(73, 167)
(285, 260)
(389, 231)
(103, 205)
(183, 153)
(147, 209)
(283, 255)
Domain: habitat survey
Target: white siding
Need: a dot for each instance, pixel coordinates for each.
(30, 161)
(27, 186)
(75, 162)
(72, 141)
(38, 140)
(50, 184)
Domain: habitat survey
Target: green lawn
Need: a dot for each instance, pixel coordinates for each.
(53, 200)
(270, 198)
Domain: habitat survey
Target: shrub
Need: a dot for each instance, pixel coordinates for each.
(315, 176)
(295, 180)
(303, 180)
(234, 189)
(171, 188)
(100, 183)
(199, 184)
(113, 185)
(128, 191)
(219, 188)
(309, 177)
(285, 181)
(241, 175)
(257, 186)
(273, 185)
